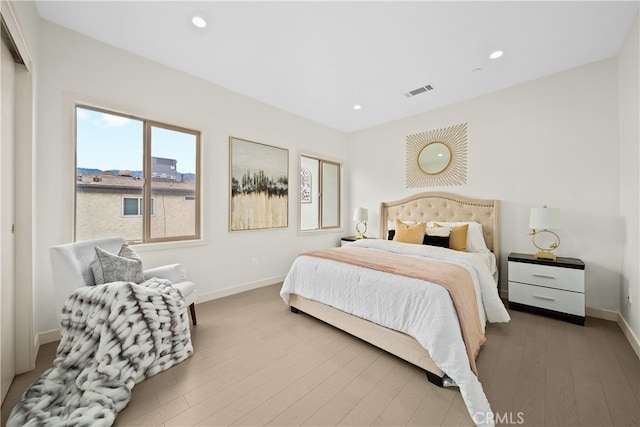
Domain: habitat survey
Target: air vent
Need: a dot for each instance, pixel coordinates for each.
(419, 90)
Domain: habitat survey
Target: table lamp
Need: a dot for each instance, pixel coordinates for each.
(541, 221)
(362, 216)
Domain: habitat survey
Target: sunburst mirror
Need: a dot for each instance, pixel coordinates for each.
(437, 157)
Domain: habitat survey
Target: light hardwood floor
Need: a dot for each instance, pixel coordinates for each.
(256, 363)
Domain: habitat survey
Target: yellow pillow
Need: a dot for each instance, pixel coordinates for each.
(457, 237)
(409, 234)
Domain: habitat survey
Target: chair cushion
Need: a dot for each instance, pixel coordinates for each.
(170, 272)
(124, 267)
(185, 287)
(188, 291)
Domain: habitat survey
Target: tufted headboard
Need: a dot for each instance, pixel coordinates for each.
(431, 206)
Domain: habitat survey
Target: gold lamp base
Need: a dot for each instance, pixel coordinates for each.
(545, 255)
(361, 229)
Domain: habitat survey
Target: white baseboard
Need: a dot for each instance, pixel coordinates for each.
(47, 337)
(237, 289)
(615, 316)
(628, 332)
(54, 335)
(599, 313)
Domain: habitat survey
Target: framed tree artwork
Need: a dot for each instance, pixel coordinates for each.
(259, 185)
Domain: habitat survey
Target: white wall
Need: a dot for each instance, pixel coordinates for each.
(28, 18)
(76, 68)
(550, 141)
(629, 94)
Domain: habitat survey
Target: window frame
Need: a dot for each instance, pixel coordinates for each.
(319, 184)
(147, 124)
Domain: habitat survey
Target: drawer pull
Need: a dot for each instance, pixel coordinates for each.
(544, 298)
(544, 276)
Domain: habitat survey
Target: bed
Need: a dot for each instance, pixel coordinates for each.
(384, 333)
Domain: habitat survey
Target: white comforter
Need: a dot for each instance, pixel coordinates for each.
(420, 309)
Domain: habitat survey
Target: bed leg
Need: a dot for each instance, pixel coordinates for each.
(294, 310)
(434, 379)
(443, 381)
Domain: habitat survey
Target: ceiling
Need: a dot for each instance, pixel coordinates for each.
(319, 59)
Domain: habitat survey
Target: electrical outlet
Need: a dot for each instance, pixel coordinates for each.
(183, 273)
(629, 294)
(254, 262)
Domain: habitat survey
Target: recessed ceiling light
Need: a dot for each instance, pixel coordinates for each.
(476, 70)
(199, 21)
(357, 107)
(496, 54)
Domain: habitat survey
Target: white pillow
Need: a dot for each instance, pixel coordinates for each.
(438, 231)
(475, 238)
(391, 224)
(124, 267)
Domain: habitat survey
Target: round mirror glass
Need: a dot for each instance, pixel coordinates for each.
(434, 158)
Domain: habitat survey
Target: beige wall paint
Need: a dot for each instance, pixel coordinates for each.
(550, 141)
(76, 68)
(629, 107)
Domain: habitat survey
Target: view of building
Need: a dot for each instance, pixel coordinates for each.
(112, 204)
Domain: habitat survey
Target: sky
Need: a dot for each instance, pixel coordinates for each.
(108, 141)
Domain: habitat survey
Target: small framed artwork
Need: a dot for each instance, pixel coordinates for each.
(259, 185)
(305, 185)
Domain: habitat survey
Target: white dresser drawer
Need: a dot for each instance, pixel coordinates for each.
(569, 279)
(548, 298)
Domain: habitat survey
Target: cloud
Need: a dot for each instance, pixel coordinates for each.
(114, 121)
(81, 114)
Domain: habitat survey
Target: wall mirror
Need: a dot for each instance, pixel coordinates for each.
(437, 157)
(434, 158)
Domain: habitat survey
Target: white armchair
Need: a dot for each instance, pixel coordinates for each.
(71, 269)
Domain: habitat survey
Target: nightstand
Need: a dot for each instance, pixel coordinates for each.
(554, 288)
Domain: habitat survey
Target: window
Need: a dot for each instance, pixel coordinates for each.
(133, 206)
(319, 194)
(124, 163)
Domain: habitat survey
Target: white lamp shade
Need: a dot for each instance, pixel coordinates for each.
(545, 218)
(361, 214)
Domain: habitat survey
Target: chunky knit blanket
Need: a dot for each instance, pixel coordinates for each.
(113, 336)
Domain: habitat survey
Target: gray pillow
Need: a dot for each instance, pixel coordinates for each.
(124, 267)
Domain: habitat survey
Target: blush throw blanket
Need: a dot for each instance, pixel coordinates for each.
(452, 277)
(112, 337)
